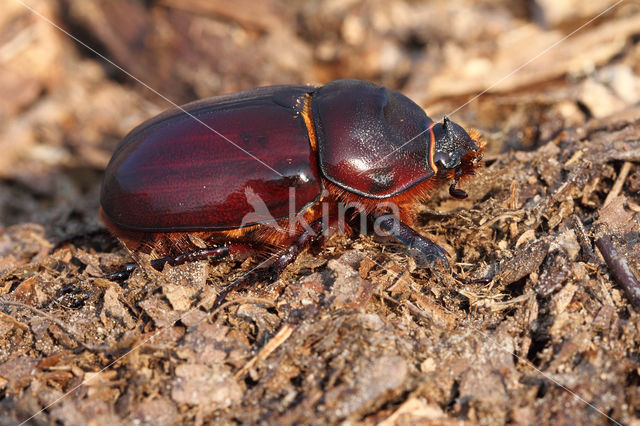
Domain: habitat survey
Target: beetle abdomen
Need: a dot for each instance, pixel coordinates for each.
(365, 140)
(174, 173)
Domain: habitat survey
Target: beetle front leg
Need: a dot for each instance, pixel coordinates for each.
(422, 249)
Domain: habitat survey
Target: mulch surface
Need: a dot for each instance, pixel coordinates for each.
(354, 330)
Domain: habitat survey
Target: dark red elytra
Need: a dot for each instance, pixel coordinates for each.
(194, 179)
(174, 174)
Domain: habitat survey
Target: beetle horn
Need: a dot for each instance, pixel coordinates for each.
(448, 129)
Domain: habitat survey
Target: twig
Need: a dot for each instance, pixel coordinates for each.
(517, 215)
(617, 185)
(413, 308)
(15, 322)
(281, 336)
(256, 300)
(583, 239)
(505, 304)
(618, 265)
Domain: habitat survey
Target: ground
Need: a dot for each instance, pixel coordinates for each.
(353, 331)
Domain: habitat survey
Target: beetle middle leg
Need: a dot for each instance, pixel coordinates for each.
(288, 256)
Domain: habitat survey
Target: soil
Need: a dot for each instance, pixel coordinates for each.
(353, 331)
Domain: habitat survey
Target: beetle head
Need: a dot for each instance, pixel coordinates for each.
(456, 153)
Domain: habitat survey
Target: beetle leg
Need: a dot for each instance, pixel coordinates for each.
(288, 256)
(457, 193)
(79, 236)
(422, 249)
(122, 274)
(207, 253)
(214, 253)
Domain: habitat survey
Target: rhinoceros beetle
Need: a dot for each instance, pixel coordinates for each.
(264, 169)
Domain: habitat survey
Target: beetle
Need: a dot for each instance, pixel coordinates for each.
(185, 185)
